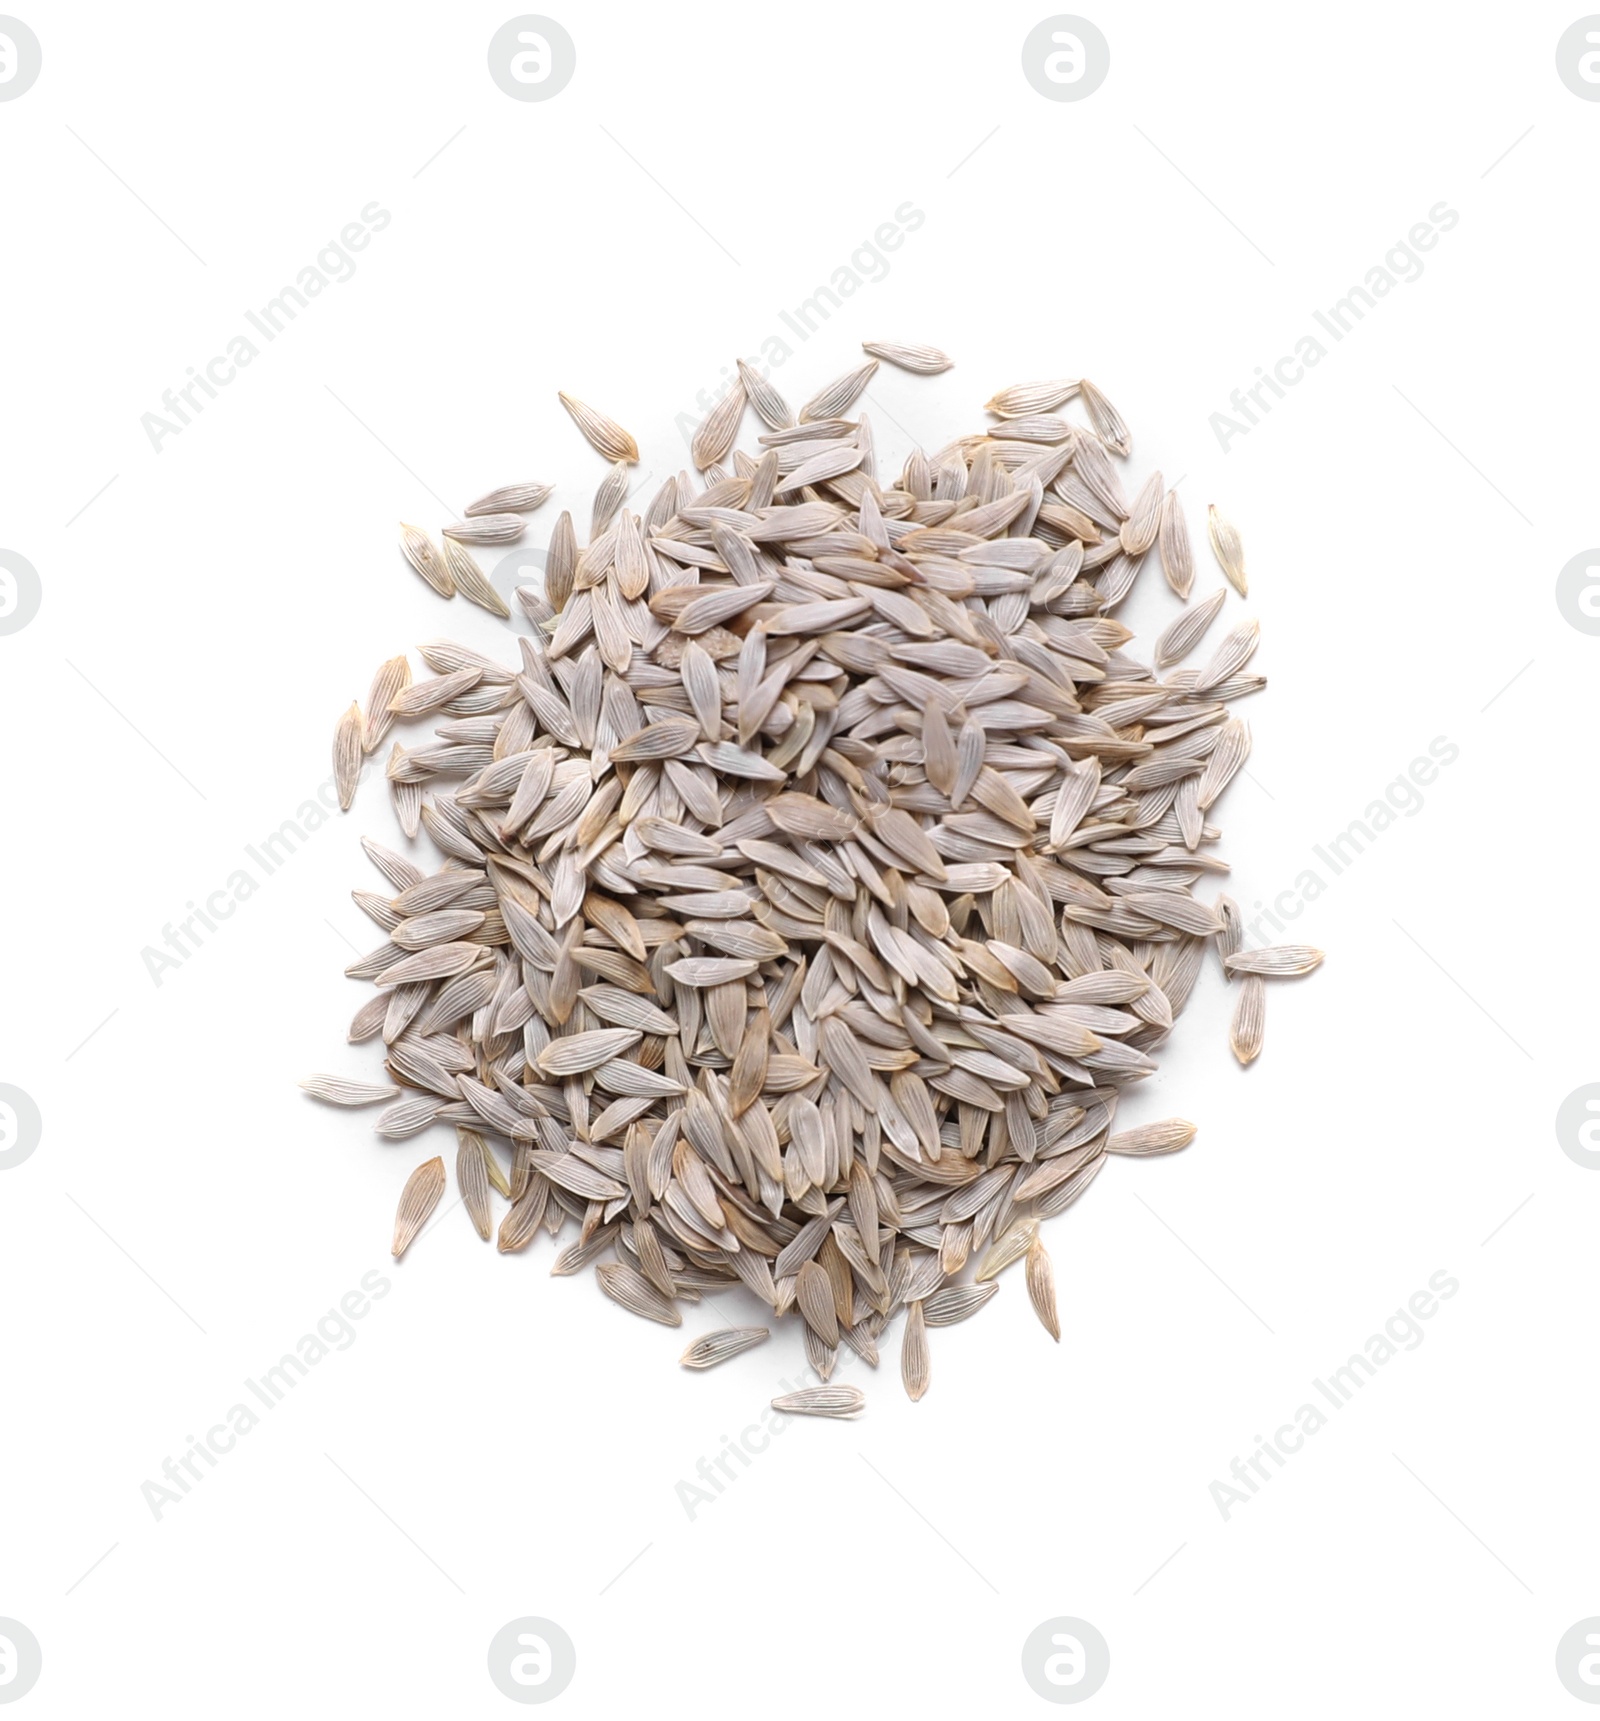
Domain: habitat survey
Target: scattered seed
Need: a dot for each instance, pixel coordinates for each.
(604, 434)
(1249, 1019)
(340, 1092)
(1277, 960)
(1177, 555)
(470, 580)
(955, 1303)
(417, 1200)
(924, 361)
(834, 1401)
(717, 1347)
(347, 755)
(418, 550)
(1042, 1288)
(1165, 1137)
(1227, 548)
(510, 499)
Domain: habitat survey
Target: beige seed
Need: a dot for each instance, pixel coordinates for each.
(914, 1366)
(819, 876)
(636, 1294)
(831, 1401)
(417, 1200)
(712, 1348)
(719, 428)
(391, 679)
(347, 755)
(1227, 548)
(1177, 554)
(1249, 1019)
(769, 404)
(840, 395)
(923, 361)
(486, 529)
(471, 581)
(1025, 399)
(510, 499)
(1165, 1137)
(604, 434)
(472, 1175)
(1042, 1288)
(418, 550)
(1277, 960)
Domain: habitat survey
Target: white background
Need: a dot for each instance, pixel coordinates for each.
(189, 1215)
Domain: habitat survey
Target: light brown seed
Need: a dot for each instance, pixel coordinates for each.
(472, 1175)
(1012, 1245)
(510, 499)
(832, 1401)
(915, 1371)
(418, 550)
(1177, 554)
(814, 1294)
(718, 428)
(1277, 960)
(1164, 1137)
(769, 404)
(347, 755)
(1106, 420)
(712, 1348)
(391, 679)
(956, 1303)
(471, 581)
(923, 361)
(1227, 547)
(1026, 398)
(486, 529)
(840, 395)
(1249, 1019)
(417, 1200)
(339, 1091)
(1186, 632)
(1042, 1288)
(604, 434)
(622, 1284)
